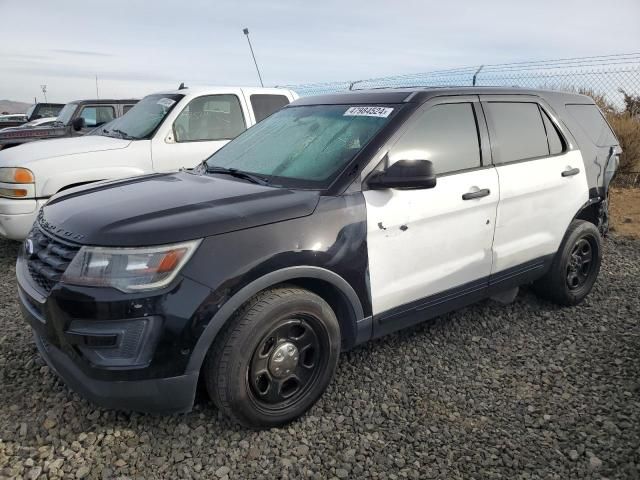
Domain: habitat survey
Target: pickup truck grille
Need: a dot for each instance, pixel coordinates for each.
(49, 260)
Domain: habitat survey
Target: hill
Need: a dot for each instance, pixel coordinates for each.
(13, 107)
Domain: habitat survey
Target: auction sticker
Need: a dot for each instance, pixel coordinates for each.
(166, 102)
(383, 112)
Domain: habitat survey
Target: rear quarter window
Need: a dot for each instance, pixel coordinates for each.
(590, 119)
(264, 105)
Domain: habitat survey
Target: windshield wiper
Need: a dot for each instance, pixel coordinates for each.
(122, 134)
(238, 174)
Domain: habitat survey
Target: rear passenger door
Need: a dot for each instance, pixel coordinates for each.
(432, 247)
(542, 182)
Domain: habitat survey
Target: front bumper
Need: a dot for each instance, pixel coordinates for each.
(90, 338)
(161, 395)
(17, 217)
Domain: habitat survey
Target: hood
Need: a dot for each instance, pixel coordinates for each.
(21, 155)
(167, 208)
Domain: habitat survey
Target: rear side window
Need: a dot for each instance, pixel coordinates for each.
(517, 131)
(264, 105)
(593, 123)
(446, 135)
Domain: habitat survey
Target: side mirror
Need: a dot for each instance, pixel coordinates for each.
(78, 124)
(407, 174)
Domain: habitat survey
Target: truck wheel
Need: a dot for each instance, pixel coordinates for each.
(275, 358)
(575, 267)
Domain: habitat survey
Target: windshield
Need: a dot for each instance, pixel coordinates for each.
(305, 146)
(66, 113)
(144, 118)
(30, 111)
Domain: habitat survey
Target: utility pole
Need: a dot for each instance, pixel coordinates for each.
(44, 92)
(246, 32)
(97, 95)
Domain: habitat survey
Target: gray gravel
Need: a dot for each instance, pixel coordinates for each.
(520, 391)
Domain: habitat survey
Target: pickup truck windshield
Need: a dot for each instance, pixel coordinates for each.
(66, 113)
(144, 118)
(303, 147)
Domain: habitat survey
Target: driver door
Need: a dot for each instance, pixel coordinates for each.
(430, 248)
(203, 126)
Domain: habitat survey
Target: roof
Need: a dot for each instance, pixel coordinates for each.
(422, 94)
(203, 90)
(100, 101)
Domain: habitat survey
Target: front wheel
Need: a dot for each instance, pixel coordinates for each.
(575, 267)
(275, 358)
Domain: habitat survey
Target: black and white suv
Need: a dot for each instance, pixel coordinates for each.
(337, 219)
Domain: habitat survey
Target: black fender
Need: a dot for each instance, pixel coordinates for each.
(359, 327)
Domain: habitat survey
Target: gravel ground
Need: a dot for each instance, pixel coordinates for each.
(522, 391)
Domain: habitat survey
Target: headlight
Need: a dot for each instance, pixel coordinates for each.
(16, 175)
(22, 178)
(129, 269)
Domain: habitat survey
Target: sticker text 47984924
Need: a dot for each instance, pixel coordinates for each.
(364, 111)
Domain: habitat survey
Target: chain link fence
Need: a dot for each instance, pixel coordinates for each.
(607, 78)
(604, 75)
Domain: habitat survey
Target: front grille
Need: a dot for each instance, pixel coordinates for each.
(49, 260)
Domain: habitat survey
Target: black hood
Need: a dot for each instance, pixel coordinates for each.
(167, 208)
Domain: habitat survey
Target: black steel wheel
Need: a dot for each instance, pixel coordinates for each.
(580, 264)
(287, 362)
(575, 266)
(275, 358)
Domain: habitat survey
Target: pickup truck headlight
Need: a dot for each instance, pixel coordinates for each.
(21, 177)
(129, 269)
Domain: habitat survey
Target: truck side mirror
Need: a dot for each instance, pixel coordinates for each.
(78, 124)
(406, 174)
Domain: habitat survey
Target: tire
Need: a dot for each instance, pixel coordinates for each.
(571, 277)
(275, 358)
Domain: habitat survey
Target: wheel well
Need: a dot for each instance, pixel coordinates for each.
(590, 213)
(338, 303)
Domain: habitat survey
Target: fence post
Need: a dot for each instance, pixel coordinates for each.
(475, 75)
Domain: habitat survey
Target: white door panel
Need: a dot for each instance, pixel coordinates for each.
(173, 156)
(536, 206)
(422, 242)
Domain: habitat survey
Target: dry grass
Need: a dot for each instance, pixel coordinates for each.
(625, 211)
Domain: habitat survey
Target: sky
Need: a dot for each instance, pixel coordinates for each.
(137, 47)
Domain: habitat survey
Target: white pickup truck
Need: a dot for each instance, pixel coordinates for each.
(163, 132)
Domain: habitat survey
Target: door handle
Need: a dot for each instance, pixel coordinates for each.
(570, 172)
(477, 194)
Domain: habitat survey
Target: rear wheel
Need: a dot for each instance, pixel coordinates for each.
(575, 267)
(275, 358)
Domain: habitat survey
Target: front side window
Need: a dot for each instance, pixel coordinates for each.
(306, 146)
(446, 135)
(516, 130)
(144, 118)
(264, 105)
(208, 118)
(94, 116)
